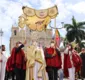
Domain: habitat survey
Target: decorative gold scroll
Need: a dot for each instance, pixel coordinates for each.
(37, 19)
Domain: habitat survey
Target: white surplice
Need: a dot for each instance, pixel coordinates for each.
(37, 64)
(2, 66)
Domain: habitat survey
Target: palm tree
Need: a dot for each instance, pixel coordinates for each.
(75, 31)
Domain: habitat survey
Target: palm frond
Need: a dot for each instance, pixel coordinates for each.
(79, 24)
(67, 25)
(70, 28)
(81, 27)
(75, 31)
(74, 22)
(81, 34)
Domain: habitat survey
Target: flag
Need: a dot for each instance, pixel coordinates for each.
(57, 37)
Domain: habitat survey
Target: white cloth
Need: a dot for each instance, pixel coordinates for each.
(2, 66)
(36, 68)
(38, 65)
(70, 54)
(71, 73)
(66, 51)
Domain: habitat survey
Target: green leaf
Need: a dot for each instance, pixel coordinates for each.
(67, 25)
(70, 28)
(74, 22)
(79, 24)
(75, 31)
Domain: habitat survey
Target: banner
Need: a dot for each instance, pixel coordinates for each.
(37, 19)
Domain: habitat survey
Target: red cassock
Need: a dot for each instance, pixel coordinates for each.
(76, 62)
(9, 65)
(54, 61)
(18, 59)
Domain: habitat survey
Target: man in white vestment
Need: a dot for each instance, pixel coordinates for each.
(35, 63)
(3, 60)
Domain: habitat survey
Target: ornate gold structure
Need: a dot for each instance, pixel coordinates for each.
(37, 19)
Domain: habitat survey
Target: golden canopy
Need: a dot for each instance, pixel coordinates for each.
(37, 19)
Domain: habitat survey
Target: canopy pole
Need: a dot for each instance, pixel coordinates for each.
(55, 23)
(55, 33)
(25, 33)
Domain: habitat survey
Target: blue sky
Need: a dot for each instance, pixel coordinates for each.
(10, 10)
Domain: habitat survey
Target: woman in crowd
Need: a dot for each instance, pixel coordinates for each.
(72, 62)
(19, 60)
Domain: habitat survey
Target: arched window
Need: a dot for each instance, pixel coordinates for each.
(15, 32)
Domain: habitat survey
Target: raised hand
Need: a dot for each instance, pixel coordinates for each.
(25, 42)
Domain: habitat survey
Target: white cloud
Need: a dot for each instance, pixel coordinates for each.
(63, 11)
(46, 4)
(78, 7)
(58, 1)
(62, 8)
(9, 13)
(34, 2)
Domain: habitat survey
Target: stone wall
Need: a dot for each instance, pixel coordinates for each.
(43, 37)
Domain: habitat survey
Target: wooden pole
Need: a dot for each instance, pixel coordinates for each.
(1, 34)
(55, 22)
(22, 34)
(55, 28)
(25, 33)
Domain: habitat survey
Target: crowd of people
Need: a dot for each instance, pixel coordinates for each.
(42, 63)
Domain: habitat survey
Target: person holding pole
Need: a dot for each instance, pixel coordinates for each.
(53, 61)
(19, 61)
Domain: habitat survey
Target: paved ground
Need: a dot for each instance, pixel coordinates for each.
(63, 79)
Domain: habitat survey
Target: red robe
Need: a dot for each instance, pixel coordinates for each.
(9, 65)
(67, 62)
(54, 61)
(18, 59)
(78, 61)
